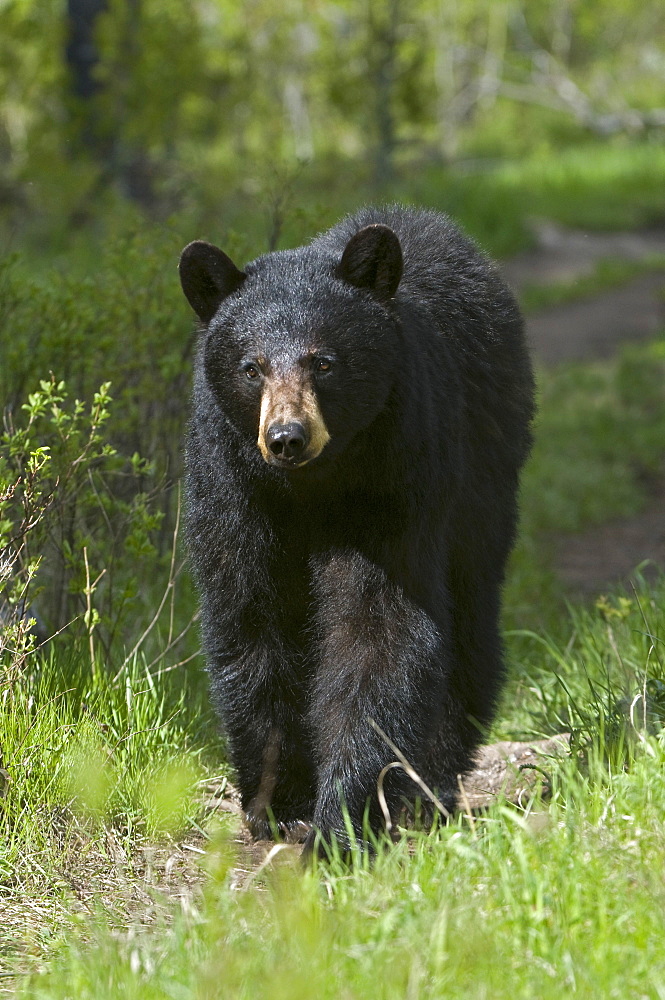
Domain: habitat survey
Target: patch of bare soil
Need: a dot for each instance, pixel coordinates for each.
(513, 771)
(610, 554)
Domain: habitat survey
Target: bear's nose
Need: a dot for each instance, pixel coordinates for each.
(286, 441)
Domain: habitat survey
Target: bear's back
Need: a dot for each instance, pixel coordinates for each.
(445, 273)
(435, 250)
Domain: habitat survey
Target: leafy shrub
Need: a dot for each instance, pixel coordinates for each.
(126, 320)
(72, 547)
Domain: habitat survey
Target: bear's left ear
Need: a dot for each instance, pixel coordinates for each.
(372, 259)
(207, 276)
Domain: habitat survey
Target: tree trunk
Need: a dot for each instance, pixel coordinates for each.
(81, 56)
(383, 32)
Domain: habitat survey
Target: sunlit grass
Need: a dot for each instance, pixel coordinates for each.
(566, 897)
(563, 894)
(121, 752)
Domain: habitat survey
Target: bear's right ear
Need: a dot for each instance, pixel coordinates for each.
(207, 276)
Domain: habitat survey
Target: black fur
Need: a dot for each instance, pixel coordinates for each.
(365, 584)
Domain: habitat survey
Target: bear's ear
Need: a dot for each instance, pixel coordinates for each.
(372, 259)
(207, 276)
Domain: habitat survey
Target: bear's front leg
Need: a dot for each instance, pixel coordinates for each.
(263, 717)
(382, 658)
(253, 616)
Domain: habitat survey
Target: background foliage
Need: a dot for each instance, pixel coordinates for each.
(178, 105)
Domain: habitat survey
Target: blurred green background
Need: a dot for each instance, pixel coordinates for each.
(243, 116)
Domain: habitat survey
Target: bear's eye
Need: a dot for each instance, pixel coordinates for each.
(251, 371)
(323, 364)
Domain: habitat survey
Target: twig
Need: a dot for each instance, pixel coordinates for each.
(381, 795)
(172, 566)
(409, 769)
(169, 586)
(174, 642)
(89, 588)
(174, 666)
(272, 853)
(169, 590)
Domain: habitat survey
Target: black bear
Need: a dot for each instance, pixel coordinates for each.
(361, 411)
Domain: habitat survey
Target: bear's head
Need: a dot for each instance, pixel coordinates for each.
(302, 348)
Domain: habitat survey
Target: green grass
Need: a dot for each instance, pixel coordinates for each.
(564, 896)
(531, 906)
(583, 681)
(90, 756)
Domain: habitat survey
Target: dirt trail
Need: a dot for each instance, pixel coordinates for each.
(595, 327)
(591, 327)
(566, 254)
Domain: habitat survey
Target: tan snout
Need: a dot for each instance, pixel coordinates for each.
(292, 430)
